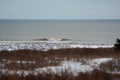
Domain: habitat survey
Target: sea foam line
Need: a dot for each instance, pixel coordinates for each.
(46, 45)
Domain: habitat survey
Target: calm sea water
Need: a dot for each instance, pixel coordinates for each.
(84, 31)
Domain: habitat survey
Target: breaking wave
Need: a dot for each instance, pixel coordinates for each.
(46, 44)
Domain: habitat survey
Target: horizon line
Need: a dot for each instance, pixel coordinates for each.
(59, 19)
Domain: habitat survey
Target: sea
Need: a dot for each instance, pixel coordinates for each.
(82, 31)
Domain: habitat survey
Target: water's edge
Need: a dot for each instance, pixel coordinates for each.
(46, 45)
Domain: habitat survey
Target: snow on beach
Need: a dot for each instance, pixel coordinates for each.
(75, 67)
(71, 66)
(46, 45)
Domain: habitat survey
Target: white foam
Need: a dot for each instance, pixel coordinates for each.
(45, 45)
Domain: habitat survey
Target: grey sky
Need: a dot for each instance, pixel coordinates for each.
(59, 9)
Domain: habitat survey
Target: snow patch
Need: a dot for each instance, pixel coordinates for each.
(74, 67)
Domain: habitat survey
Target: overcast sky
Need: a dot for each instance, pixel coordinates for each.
(59, 9)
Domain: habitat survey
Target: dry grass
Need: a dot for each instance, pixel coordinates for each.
(53, 57)
(94, 75)
(60, 53)
(112, 66)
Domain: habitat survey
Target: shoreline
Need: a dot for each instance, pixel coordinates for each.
(67, 62)
(75, 40)
(47, 45)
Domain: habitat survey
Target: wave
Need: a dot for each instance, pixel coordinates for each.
(46, 45)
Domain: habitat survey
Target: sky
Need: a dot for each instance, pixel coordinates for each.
(59, 9)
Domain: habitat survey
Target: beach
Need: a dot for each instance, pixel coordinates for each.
(59, 40)
(59, 49)
(71, 63)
